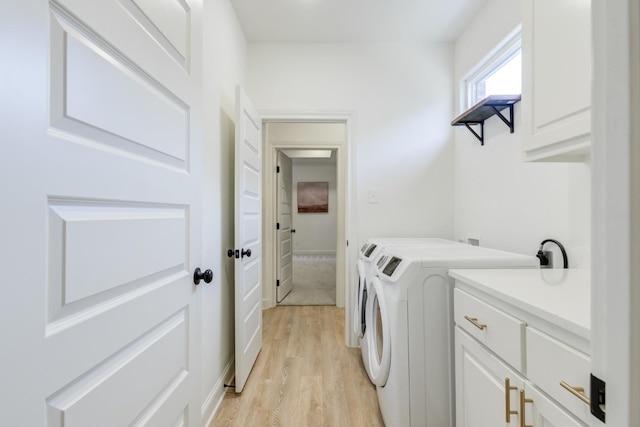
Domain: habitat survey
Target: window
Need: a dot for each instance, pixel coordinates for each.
(498, 74)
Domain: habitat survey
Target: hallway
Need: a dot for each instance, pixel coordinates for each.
(314, 281)
(304, 376)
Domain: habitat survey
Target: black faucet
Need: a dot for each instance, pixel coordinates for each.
(544, 260)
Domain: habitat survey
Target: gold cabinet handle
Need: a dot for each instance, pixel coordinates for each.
(523, 401)
(474, 322)
(577, 392)
(507, 399)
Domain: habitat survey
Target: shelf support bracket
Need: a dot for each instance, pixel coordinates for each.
(481, 136)
(493, 105)
(509, 122)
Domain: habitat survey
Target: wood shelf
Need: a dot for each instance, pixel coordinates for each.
(490, 106)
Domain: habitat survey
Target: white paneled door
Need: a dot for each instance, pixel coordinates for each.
(248, 237)
(100, 212)
(285, 230)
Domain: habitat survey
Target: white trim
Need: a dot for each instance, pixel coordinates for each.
(216, 395)
(503, 51)
(615, 281)
(314, 253)
(345, 169)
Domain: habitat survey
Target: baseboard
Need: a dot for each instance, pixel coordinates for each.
(312, 253)
(214, 399)
(317, 257)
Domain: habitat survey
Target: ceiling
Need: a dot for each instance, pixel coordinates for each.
(353, 21)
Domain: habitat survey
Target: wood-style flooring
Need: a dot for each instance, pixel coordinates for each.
(305, 376)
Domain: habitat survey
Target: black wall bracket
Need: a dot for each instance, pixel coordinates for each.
(490, 106)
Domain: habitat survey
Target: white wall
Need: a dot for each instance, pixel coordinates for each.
(315, 232)
(511, 204)
(401, 98)
(225, 50)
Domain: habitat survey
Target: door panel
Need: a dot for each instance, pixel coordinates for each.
(248, 236)
(103, 238)
(82, 403)
(163, 31)
(285, 237)
(133, 113)
(104, 226)
(167, 21)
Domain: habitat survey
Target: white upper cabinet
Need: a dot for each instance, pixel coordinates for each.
(556, 80)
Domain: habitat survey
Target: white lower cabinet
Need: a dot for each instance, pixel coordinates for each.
(496, 387)
(551, 363)
(486, 388)
(540, 411)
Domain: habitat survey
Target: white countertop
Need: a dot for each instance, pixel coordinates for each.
(559, 296)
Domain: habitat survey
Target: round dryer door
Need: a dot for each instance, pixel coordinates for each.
(360, 298)
(379, 334)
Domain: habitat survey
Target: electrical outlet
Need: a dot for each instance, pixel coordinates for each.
(373, 195)
(473, 239)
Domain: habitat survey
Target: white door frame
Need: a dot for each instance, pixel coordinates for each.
(345, 173)
(615, 274)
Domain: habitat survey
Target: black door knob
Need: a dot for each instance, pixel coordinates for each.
(230, 253)
(293, 230)
(206, 275)
(246, 252)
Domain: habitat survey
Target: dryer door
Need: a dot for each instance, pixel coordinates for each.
(360, 302)
(379, 336)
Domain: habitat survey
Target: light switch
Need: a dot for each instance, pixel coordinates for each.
(373, 195)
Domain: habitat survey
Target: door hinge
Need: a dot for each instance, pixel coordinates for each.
(277, 169)
(277, 283)
(277, 226)
(347, 243)
(598, 398)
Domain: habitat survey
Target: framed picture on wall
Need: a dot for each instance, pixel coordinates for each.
(313, 197)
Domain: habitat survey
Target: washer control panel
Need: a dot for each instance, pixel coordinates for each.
(391, 266)
(370, 250)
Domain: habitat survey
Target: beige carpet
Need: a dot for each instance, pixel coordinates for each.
(314, 281)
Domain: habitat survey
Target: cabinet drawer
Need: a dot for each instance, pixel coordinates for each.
(549, 362)
(497, 330)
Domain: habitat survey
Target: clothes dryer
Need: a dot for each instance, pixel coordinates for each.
(370, 254)
(411, 331)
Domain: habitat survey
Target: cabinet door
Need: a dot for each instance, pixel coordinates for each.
(540, 411)
(481, 395)
(550, 362)
(556, 79)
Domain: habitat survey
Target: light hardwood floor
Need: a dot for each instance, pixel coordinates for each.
(305, 376)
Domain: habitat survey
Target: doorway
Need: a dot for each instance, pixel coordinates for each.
(306, 211)
(306, 133)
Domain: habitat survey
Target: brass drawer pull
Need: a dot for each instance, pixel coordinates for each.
(507, 399)
(523, 401)
(577, 392)
(474, 321)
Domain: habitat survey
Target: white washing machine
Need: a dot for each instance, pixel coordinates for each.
(370, 254)
(411, 339)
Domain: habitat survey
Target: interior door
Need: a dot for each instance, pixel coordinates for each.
(101, 213)
(285, 231)
(248, 237)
